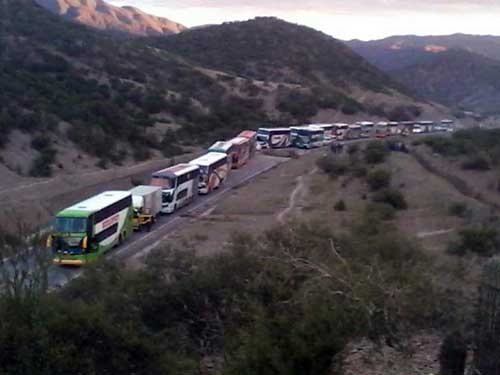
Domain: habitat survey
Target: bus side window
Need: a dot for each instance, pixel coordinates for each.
(182, 194)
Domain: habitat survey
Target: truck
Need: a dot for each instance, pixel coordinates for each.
(85, 231)
(147, 203)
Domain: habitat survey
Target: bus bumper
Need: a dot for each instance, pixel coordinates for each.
(68, 262)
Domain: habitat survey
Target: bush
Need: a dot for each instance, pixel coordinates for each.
(381, 211)
(453, 355)
(353, 149)
(391, 197)
(332, 166)
(378, 179)
(340, 205)
(481, 241)
(478, 163)
(376, 152)
(458, 209)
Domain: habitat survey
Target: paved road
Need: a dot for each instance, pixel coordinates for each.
(142, 242)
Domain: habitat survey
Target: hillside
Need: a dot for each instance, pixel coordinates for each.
(332, 78)
(398, 52)
(456, 78)
(104, 16)
(274, 50)
(74, 98)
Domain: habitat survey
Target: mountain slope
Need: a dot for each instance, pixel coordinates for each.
(271, 49)
(331, 75)
(456, 78)
(101, 15)
(398, 52)
(73, 97)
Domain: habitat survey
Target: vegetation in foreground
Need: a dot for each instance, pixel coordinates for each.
(286, 303)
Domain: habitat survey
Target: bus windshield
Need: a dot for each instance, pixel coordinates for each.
(71, 225)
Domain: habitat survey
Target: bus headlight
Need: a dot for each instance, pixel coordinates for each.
(49, 241)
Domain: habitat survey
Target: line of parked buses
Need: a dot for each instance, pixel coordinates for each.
(85, 231)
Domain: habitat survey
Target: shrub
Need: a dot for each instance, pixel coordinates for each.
(376, 152)
(42, 164)
(332, 166)
(381, 211)
(391, 197)
(481, 241)
(458, 209)
(478, 163)
(340, 205)
(453, 355)
(353, 149)
(378, 179)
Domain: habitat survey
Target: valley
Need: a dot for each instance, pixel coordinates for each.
(252, 197)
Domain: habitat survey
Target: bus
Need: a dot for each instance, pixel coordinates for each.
(406, 127)
(341, 130)
(179, 186)
(367, 129)
(329, 131)
(273, 138)
(394, 128)
(307, 137)
(354, 131)
(242, 149)
(214, 168)
(382, 130)
(85, 231)
(427, 126)
(252, 137)
(225, 147)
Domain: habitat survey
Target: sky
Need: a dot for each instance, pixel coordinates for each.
(343, 19)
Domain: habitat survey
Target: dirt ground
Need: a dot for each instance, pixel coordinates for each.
(251, 208)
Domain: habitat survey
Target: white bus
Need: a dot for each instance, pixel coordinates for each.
(214, 169)
(354, 132)
(394, 128)
(341, 130)
(329, 131)
(179, 186)
(367, 129)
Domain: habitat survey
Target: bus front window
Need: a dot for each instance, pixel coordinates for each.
(71, 225)
(167, 197)
(163, 182)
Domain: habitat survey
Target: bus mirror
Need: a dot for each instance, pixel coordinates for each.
(49, 241)
(85, 242)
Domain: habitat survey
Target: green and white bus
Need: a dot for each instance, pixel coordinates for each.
(84, 232)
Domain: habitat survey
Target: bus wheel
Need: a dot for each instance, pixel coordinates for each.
(120, 239)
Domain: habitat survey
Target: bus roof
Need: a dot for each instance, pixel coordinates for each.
(274, 129)
(355, 126)
(447, 121)
(382, 123)
(95, 203)
(341, 125)
(365, 123)
(221, 146)
(393, 123)
(248, 134)
(239, 140)
(208, 159)
(176, 170)
(426, 122)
